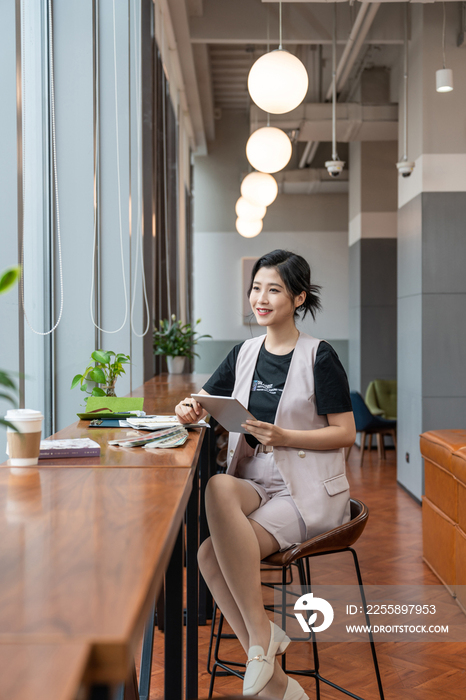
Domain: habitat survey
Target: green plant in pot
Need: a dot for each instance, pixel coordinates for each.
(105, 369)
(7, 385)
(176, 342)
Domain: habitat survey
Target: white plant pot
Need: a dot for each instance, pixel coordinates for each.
(175, 364)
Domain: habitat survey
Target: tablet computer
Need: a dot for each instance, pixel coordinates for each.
(226, 410)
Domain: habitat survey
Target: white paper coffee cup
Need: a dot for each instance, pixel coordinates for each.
(24, 446)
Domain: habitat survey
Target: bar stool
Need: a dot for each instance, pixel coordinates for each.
(339, 539)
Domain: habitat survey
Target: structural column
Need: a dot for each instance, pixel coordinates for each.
(372, 248)
(431, 245)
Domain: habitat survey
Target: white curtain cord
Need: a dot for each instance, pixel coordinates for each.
(119, 199)
(54, 160)
(139, 238)
(165, 177)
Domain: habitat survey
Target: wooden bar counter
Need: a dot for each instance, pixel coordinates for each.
(85, 543)
(83, 554)
(41, 671)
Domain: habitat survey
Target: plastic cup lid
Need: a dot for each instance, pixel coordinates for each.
(23, 414)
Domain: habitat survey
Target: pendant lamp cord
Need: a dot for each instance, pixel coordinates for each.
(405, 110)
(280, 28)
(54, 161)
(139, 239)
(443, 35)
(334, 84)
(119, 198)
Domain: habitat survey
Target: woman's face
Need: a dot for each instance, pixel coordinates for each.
(270, 300)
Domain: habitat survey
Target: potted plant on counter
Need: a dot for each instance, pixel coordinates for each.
(176, 342)
(105, 369)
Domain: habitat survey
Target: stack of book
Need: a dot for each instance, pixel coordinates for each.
(71, 447)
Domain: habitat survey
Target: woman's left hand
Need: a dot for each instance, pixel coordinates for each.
(266, 433)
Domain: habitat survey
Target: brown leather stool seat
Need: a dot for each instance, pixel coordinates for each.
(337, 540)
(334, 540)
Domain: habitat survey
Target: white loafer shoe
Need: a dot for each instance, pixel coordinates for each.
(260, 666)
(294, 691)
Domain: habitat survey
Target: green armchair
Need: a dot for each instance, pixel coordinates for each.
(381, 397)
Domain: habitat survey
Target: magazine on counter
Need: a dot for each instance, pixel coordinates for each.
(71, 447)
(176, 438)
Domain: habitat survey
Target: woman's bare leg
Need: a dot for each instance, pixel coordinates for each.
(239, 545)
(217, 585)
(213, 577)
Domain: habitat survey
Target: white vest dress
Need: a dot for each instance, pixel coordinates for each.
(316, 479)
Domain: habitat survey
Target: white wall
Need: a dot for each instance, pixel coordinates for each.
(315, 226)
(218, 279)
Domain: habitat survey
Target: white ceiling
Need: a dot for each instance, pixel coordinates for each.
(218, 41)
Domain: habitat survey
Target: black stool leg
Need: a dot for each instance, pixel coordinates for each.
(212, 635)
(371, 638)
(146, 656)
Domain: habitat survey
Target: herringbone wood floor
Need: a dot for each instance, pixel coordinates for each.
(390, 552)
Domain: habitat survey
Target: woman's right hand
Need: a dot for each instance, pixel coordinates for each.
(189, 411)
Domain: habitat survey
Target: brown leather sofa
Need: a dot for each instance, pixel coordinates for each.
(444, 508)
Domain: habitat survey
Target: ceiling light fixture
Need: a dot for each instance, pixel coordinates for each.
(248, 229)
(268, 149)
(278, 81)
(405, 167)
(259, 188)
(334, 166)
(248, 211)
(444, 76)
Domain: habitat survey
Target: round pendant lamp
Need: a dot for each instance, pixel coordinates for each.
(248, 211)
(248, 229)
(259, 188)
(278, 82)
(268, 149)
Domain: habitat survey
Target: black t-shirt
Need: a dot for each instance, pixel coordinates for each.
(331, 385)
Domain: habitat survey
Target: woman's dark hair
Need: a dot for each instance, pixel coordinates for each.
(296, 275)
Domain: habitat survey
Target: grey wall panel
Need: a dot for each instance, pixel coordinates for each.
(354, 265)
(444, 345)
(443, 242)
(378, 271)
(409, 427)
(410, 247)
(354, 197)
(354, 352)
(443, 413)
(341, 347)
(372, 298)
(378, 342)
(410, 345)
